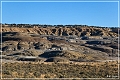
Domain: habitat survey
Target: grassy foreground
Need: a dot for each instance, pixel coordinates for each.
(60, 70)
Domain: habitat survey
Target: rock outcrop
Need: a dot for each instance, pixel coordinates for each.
(65, 31)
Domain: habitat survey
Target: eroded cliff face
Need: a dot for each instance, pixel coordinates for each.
(65, 31)
(101, 43)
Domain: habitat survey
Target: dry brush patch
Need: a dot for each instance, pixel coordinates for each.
(60, 70)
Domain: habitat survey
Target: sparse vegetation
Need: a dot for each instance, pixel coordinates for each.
(60, 70)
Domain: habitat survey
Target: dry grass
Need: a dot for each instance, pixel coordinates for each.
(60, 70)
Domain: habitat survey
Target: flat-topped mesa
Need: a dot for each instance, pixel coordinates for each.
(65, 31)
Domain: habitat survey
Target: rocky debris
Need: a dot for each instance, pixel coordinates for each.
(42, 46)
(9, 48)
(23, 46)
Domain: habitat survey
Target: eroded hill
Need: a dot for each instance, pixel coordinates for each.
(69, 43)
(65, 31)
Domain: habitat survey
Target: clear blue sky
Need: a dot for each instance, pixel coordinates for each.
(86, 13)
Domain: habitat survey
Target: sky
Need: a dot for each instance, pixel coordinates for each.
(54, 13)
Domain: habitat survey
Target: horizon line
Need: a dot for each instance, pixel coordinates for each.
(61, 24)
